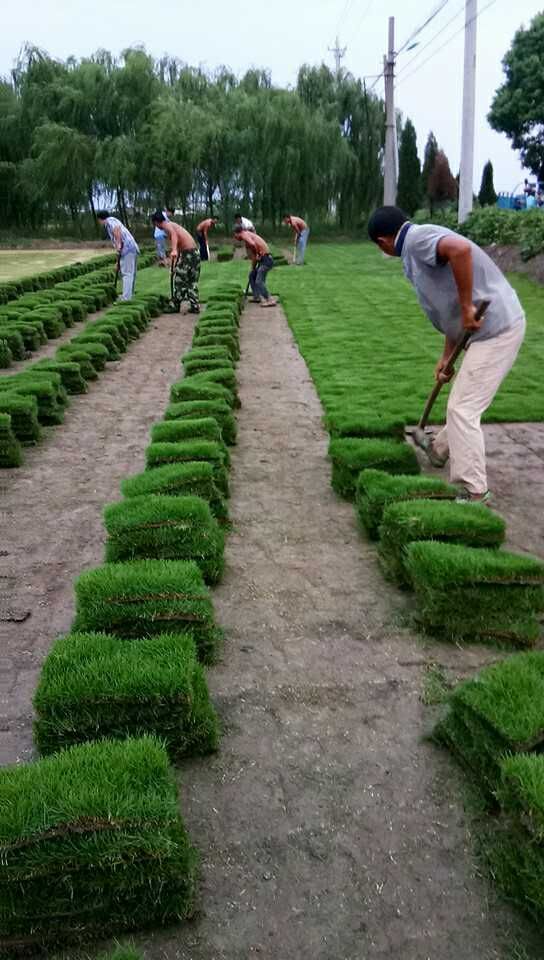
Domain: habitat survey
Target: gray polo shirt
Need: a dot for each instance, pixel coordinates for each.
(437, 293)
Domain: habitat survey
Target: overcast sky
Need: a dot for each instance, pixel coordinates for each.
(284, 34)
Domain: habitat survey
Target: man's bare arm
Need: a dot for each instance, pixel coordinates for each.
(457, 252)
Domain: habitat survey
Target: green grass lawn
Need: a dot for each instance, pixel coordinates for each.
(365, 339)
(15, 264)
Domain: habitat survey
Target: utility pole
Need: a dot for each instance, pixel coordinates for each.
(339, 54)
(466, 173)
(390, 164)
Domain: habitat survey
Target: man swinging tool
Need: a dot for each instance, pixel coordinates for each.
(450, 274)
(127, 251)
(302, 232)
(184, 264)
(261, 263)
(202, 231)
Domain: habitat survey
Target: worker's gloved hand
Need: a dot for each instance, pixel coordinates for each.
(439, 372)
(468, 316)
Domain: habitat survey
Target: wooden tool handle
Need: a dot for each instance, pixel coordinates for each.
(450, 364)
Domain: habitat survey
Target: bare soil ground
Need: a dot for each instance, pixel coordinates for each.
(329, 828)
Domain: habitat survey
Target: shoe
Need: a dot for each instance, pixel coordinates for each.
(466, 497)
(433, 457)
(269, 303)
(193, 310)
(173, 308)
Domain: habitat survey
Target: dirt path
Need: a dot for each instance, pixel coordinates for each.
(52, 508)
(328, 829)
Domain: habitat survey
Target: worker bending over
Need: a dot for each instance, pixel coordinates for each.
(185, 264)
(202, 236)
(261, 263)
(243, 222)
(302, 232)
(450, 274)
(127, 250)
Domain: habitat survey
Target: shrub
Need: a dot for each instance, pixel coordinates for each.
(349, 423)
(10, 451)
(147, 597)
(167, 528)
(191, 389)
(351, 455)
(468, 593)
(449, 522)
(93, 686)
(195, 409)
(195, 478)
(157, 454)
(6, 355)
(500, 711)
(375, 489)
(81, 357)
(93, 844)
(23, 411)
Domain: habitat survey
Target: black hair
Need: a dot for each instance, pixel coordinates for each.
(157, 217)
(238, 228)
(236, 215)
(386, 222)
(102, 215)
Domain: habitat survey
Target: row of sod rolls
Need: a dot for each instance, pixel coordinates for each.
(467, 588)
(39, 394)
(95, 840)
(12, 289)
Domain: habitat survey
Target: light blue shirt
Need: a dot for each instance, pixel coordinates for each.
(129, 244)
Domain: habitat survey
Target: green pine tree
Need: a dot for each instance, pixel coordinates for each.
(429, 159)
(487, 196)
(409, 185)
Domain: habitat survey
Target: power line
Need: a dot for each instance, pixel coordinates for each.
(344, 13)
(429, 42)
(446, 42)
(415, 33)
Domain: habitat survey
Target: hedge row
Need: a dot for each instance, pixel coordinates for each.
(39, 394)
(94, 841)
(467, 588)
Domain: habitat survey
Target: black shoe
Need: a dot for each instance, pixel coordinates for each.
(173, 308)
(194, 310)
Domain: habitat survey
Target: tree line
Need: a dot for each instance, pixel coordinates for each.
(137, 133)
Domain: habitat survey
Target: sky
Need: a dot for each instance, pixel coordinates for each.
(285, 34)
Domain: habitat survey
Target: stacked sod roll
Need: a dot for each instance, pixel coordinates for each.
(38, 395)
(99, 846)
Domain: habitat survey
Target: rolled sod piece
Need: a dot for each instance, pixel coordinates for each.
(77, 309)
(465, 593)
(99, 353)
(14, 339)
(93, 686)
(82, 358)
(230, 343)
(375, 489)
(49, 410)
(93, 844)
(158, 454)
(471, 524)
(201, 365)
(117, 331)
(216, 324)
(351, 455)
(37, 373)
(23, 412)
(174, 431)
(208, 353)
(165, 528)
(30, 334)
(195, 478)
(351, 424)
(53, 323)
(145, 597)
(195, 409)
(224, 376)
(102, 338)
(70, 374)
(10, 450)
(498, 712)
(6, 355)
(191, 389)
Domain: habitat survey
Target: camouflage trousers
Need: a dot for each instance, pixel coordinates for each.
(186, 274)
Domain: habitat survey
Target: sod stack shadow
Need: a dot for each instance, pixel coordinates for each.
(165, 528)
(146, 597)
(350, 455)
(10, 449)
(471, 524)
(92, 844)
(375, 489)
(498, 712)
(465, 593)
(515, 850)
(94, 686)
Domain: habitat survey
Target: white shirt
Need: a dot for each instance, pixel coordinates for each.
(247, 224)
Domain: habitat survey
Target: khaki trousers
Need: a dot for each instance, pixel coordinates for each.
(485, 365)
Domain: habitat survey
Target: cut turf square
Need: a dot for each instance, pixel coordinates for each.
(351, 455)
(94, 686)
(466, 593)
(167, 528)
(159, 454)
(375, 489)
(195, 478)
(92, 844)
(349, 423)
(196, 409)
(10, 450)
(203, 428)
(471, 524)
(145, 597)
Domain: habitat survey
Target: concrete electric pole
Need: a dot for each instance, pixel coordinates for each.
(339, 54)
(390, 163)
(466, 172)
